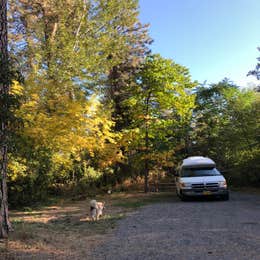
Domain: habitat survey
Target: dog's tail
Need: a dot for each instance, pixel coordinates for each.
(93, 203)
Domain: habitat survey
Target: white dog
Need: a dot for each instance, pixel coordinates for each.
(96, 209)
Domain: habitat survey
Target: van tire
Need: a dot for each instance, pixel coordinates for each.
(183, 197)
(225, 197)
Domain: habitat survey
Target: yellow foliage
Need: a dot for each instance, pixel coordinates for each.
(16, 88)
(67, 125)
(17, 167)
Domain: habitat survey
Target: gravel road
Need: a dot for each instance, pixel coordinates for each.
(198, 229)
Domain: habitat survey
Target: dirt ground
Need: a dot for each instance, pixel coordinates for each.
(65, 231)
(199, 229)
(166, 229)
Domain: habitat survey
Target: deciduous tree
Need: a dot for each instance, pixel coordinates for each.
(162, 103)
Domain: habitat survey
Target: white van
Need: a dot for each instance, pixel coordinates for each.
(198, 176)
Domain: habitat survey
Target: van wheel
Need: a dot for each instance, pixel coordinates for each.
(225, 197)
(183, 197)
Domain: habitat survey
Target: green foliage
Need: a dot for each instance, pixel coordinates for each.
(97, 108)
(161, 104)
(256, 71)
(67, 50)
(226, 128)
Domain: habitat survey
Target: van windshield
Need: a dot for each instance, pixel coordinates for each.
(198, 172)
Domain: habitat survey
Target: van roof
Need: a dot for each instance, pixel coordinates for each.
(198, 161)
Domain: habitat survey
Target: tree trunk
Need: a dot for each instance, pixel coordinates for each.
(146, 163)
(5, 225)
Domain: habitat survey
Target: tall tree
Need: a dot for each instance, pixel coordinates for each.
(121, 78)
(67, 49)
(70, 38)
(162, 103)
(5, 225)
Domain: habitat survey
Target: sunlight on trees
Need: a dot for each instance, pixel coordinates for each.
(96, 107)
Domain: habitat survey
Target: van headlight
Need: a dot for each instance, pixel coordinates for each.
(185, 185)
(223, 184)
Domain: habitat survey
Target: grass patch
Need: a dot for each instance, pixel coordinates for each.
(143, 199)
(22, 231)
(68, 225)
(105, 224)
(35, 205)
(64, 227)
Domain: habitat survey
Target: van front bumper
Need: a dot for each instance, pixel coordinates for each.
(204, 192)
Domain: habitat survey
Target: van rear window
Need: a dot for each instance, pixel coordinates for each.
(198, 172)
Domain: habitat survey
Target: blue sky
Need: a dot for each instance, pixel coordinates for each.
(213, 38)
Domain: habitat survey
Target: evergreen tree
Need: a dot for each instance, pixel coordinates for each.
(121, 80)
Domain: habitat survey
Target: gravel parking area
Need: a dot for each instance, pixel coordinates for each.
(201, 229)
